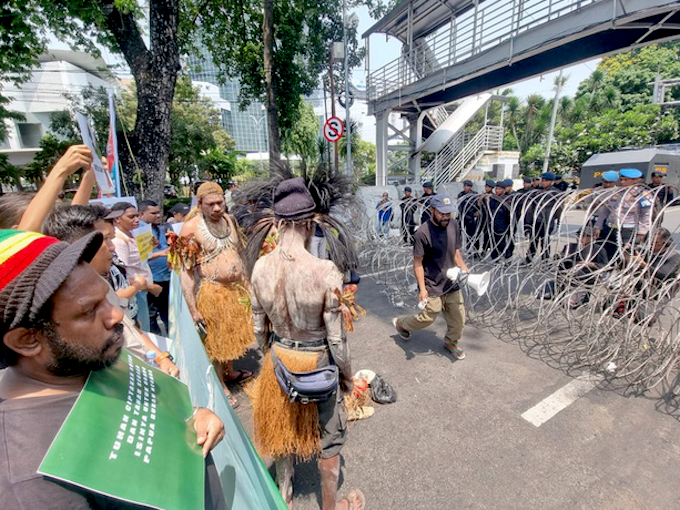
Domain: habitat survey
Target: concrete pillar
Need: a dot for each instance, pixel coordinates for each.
(414, 133)
(381, 147)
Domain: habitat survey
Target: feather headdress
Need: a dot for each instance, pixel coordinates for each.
(332, 197)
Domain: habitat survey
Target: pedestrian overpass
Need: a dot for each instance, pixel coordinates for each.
(454, 49)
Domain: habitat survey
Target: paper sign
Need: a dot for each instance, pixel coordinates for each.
(104, 180)
(177, 227)
(144, 238)
(127, 436)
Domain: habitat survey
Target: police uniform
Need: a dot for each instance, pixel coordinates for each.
(628, 213)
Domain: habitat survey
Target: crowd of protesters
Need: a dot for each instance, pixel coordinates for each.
(75, 289)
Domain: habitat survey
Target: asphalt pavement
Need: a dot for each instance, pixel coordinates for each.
(455, 439)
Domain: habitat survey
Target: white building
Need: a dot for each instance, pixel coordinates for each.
(61, 72)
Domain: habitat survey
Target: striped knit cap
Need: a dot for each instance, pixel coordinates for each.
(32, 267)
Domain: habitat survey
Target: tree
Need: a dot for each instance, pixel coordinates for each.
(303, 138)
(9, 174)
(196, 127)
(640, 126)
(295, 37)
(116, 25)
(51, 149)
(20, 46)
(196, 130)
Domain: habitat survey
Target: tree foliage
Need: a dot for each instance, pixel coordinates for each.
(612, 109)
(303, 138)
(302, 31)
(197, 132)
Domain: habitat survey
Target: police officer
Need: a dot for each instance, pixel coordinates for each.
(559, 184)
(664, 194)
(628, 212)
(468, 214)
(485, 226)
(526, 186)
(609, 180)
(499, 212)
(408, 207)
(428, 194)
(544, 217)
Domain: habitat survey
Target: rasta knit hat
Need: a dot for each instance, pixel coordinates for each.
(293, 201)
(32, 267)
(209, 188)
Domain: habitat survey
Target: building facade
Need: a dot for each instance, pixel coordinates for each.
(61, 73)
(248, 127)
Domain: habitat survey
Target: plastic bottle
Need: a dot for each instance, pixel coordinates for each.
(150, 358)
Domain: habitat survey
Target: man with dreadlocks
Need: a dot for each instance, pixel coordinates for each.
(212, 265)
(299, 298)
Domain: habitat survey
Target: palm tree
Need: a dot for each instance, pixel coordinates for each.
(514, 108)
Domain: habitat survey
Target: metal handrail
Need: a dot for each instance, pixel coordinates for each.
(458, 155)
(465, 37)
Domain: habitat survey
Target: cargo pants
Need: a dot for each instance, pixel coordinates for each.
(451, 307)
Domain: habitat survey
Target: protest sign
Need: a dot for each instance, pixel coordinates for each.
(112, 146)
(104, 179)
(144, 238)
(122, 441)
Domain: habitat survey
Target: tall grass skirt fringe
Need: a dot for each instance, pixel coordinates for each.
(282, 427)
(228, 320)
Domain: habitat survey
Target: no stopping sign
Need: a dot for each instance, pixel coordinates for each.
(333, 129)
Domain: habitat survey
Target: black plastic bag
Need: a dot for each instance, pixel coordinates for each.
(382, 392)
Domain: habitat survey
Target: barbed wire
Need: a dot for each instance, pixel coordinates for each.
(607, 305)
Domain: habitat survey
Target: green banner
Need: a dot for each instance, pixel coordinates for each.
(127, 435)
(245, 479)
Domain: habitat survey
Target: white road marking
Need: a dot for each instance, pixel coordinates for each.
(568, 394)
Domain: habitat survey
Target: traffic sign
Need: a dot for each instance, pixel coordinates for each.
(333, 129)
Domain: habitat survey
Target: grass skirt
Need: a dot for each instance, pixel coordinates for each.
(283, 428)
(228, 320)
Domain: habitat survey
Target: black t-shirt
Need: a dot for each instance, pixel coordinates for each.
(27, 428)
(437, 246)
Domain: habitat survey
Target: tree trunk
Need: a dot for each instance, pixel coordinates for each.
(155, 72)
(272, 110)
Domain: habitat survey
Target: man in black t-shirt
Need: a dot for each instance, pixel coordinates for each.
(436, 250)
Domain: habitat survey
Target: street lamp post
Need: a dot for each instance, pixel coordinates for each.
(352, 21)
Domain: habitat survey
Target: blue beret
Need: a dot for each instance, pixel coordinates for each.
(548, 176)
(610, 176)
(427, 184)
(490, 183)
(630, 173)
(407, 188)
(467, 182)
(527, 179)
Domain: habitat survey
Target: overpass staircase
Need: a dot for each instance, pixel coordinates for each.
(461, 154)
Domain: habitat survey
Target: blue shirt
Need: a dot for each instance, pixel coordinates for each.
(159, 266)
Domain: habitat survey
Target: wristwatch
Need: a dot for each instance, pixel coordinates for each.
(164, 355)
